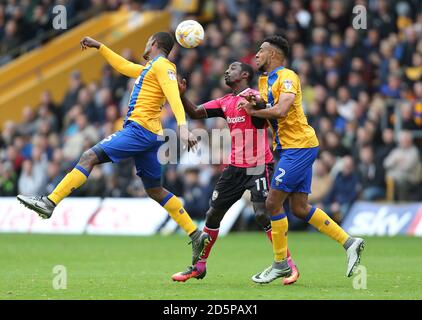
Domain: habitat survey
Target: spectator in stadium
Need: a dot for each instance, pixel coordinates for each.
(195, 196)
(321, 182)
(71, 96)
(172, 182)
(28, 126)
(388, 144)
(85, 135)
(95, 186)
(8, 180)
(403, 166)
(31, 179)
(344, 190)
(54, 176)
(371, 174)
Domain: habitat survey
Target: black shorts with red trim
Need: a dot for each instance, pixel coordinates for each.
(234, 181)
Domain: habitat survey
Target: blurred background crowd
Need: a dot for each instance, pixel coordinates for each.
(362, 92)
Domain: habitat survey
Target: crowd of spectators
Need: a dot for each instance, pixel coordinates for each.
(27, 24)
(362, 92)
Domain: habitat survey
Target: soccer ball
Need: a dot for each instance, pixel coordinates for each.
(189, 34)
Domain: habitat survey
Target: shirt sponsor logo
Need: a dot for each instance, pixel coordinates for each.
(236, 119)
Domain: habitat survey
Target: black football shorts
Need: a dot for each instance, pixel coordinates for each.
(234, 181)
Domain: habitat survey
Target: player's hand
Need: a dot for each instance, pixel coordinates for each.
(182, 85)
(88, 42)
(250, 97)
(192, 142)
(256, 100)
(187, 138)
(247, 106)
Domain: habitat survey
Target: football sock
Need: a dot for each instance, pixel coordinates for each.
(270, 237)
(213, 233)
(73, 180)
(279, 226)
(175, 209)
(320, 220)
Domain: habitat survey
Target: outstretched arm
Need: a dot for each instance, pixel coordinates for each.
(194, 112)
(119, 63)
(166, 76)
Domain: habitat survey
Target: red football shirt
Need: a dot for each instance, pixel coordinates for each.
(249, 141)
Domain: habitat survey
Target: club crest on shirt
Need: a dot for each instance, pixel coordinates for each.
(288, 84)
(214, 195)
(172, 74)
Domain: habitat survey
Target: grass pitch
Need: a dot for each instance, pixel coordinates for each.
(140, 268)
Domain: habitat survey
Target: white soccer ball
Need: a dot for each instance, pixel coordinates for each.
(189, 33)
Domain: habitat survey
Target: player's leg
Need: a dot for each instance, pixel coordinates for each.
(321, 221)
(304, 159)
(177, 212)
(263, 219)
(279, 226)
(212, 228)
(228, 190)
(45, 205)
(259, 184)
(148, 168)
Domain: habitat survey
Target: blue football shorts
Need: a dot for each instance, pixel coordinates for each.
(293, 172)
(134, 141)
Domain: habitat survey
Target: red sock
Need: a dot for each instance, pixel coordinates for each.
(269, 235)
(203, 260)
(268, 232)
(213, 234)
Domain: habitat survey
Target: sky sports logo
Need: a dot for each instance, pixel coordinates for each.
(372, 219)
(236, 120)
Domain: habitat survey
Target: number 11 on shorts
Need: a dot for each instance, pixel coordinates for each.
(264, 183)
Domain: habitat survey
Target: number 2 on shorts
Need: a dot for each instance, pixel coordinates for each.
(279, 177)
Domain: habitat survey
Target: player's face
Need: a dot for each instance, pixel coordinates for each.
(148, 48)
(233, 74)
(263, 56)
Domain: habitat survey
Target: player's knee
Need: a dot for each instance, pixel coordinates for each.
(300, 209)
(157, 194)
(272, 206)
(214, 217)
(88, 159)
(262, 217)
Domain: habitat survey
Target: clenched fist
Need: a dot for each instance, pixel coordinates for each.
(88, 42)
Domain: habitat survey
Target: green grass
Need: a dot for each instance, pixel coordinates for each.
(140, 268)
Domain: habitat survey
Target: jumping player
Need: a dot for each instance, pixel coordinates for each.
(280, 101)
(139, 139)
(250, 168)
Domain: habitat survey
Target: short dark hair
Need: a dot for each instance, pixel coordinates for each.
(165, 41)
(248, 69)
(279, 42)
